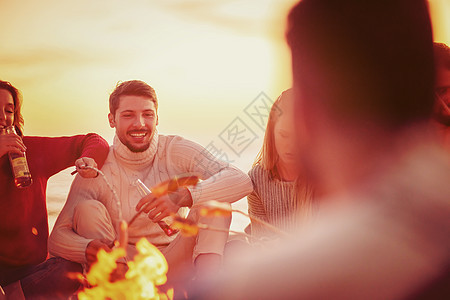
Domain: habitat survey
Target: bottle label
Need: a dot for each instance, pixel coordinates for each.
(20, 167)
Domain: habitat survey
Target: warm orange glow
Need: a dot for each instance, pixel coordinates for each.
(186, 226)
(173, 184)
(207, 60)
(146, 272)
(34, 231)
(164, 188)
(439, 11)
(215, 209)
(123, 235)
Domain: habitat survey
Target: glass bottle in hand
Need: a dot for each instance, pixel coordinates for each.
(164, 223)
(19, 164)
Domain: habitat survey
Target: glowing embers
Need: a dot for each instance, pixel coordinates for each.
(211, 208)
(185, 226)
(146, 272)
(215, 209)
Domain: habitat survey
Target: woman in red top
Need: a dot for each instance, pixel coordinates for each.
(23, 212)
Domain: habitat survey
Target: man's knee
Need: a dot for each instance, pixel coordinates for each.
(91, 220)
(89, 208)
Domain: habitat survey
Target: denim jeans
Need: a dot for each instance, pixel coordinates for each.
(47, 280)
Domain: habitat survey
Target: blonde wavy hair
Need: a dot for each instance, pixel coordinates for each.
(268, 156)
(17, 99)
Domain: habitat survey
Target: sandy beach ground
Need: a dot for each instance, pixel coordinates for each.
(59, 185)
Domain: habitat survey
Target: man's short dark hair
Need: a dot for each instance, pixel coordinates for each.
(131, 88)
(364, 59)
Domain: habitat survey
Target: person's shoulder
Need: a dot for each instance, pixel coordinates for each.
(34, 139)
(257, 171)
(176, 142)
(30, 137)
(110, 159)
(170, 138)
(111, 163)
(61, 139)
(37, 142)
(259, 176)
(173, 138)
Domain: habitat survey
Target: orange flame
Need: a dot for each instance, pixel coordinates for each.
(215, 209)
(186, 226)
(173, 184)
(123, 235)
(147, 271)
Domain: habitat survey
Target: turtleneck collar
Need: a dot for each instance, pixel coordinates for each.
(135, 160)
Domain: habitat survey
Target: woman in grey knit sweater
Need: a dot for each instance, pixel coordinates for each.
(280, 196)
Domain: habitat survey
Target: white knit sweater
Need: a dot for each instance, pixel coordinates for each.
(166, 157)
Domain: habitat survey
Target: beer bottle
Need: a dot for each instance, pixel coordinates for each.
(164, 223)
(19, 165)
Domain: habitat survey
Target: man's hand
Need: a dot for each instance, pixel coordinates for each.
(11, 143)
(81, 165)
(119, 272)
(93, 247)
(164, 206)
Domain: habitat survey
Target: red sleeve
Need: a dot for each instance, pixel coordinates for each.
(52, 155)
(94, 146)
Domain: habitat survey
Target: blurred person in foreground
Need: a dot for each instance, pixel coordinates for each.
(90, 220)
(24, 267)
(442, 92)
(364, 87)
(280, 195)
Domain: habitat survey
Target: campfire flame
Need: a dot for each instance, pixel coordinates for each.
(149, 268)
(146, 272)
(215, 209)
(187, 227)
(174, 183)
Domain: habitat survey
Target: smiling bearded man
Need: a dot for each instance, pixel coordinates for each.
(90, 220)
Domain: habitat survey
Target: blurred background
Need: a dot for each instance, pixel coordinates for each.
(210, 62)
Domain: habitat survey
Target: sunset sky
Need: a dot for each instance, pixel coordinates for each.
(207, 60)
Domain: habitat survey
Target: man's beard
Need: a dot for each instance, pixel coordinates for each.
(138, 150)
(135, 149)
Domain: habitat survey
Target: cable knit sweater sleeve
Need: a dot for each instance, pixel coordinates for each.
(220, 180)
(64, 241)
